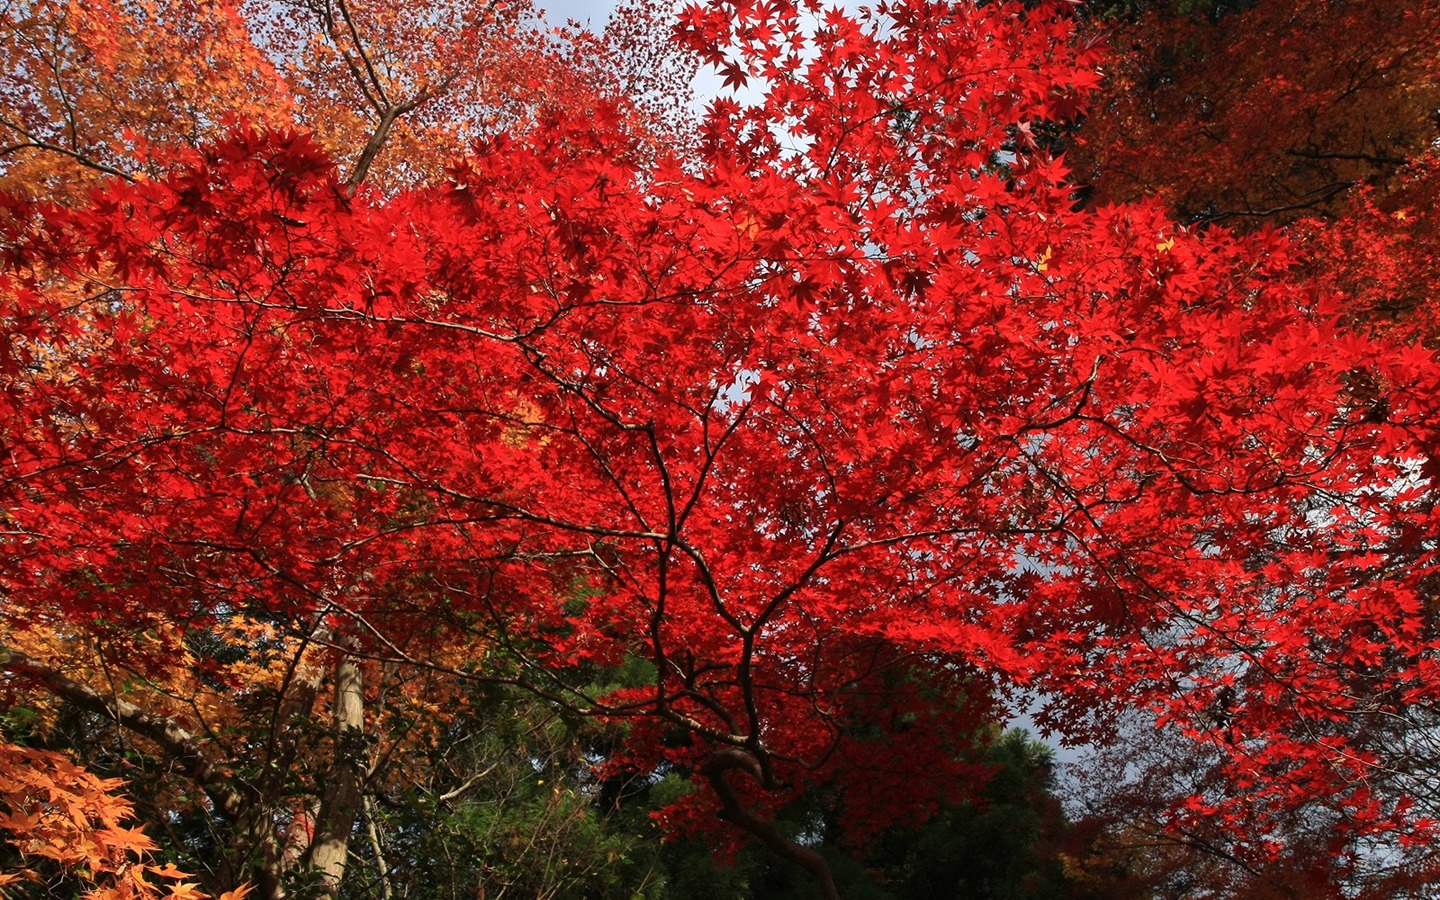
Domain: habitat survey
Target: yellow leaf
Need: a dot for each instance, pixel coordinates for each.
(1165, 246)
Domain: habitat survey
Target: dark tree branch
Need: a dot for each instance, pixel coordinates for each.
(732, 811)
(177, 742)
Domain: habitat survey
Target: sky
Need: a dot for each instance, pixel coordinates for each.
(596, 11)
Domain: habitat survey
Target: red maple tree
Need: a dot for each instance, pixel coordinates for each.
(846, 423)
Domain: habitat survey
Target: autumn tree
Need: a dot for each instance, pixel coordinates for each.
(393, 90)
(1260, 111)
(1267, 115)
(1319, 115)
(845, 427)
(87, 89)
(248, 706)
(1127, 842)
(65, 826)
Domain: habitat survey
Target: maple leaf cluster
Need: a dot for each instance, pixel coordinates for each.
(1263, 111)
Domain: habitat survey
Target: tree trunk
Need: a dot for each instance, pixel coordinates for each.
(341, 802)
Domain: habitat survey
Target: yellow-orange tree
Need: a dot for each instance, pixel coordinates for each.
(62, 822)
(392, 90)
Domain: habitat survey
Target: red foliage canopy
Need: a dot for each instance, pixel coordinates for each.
(844, 425)
(1263, 114)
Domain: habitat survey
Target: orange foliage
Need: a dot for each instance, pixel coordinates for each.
(56, 811)
(98, 84)
(233, 693)
(105, 87)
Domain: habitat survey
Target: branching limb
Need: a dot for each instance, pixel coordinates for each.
(732, 811)
(177, 742)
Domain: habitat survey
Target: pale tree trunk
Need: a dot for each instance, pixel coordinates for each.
(282, 853)
(341, 801)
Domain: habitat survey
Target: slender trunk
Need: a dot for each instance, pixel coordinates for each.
(382, 868)
(341, 802)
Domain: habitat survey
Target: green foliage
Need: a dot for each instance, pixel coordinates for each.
(513, 814)
(994, 847)
(998, 847)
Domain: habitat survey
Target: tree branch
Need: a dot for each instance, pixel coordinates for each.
(180, 744)
(731, 810)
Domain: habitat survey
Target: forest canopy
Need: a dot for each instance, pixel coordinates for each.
(440, 462)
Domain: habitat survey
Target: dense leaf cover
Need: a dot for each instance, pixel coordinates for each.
(1259, 110)
(848, 422)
